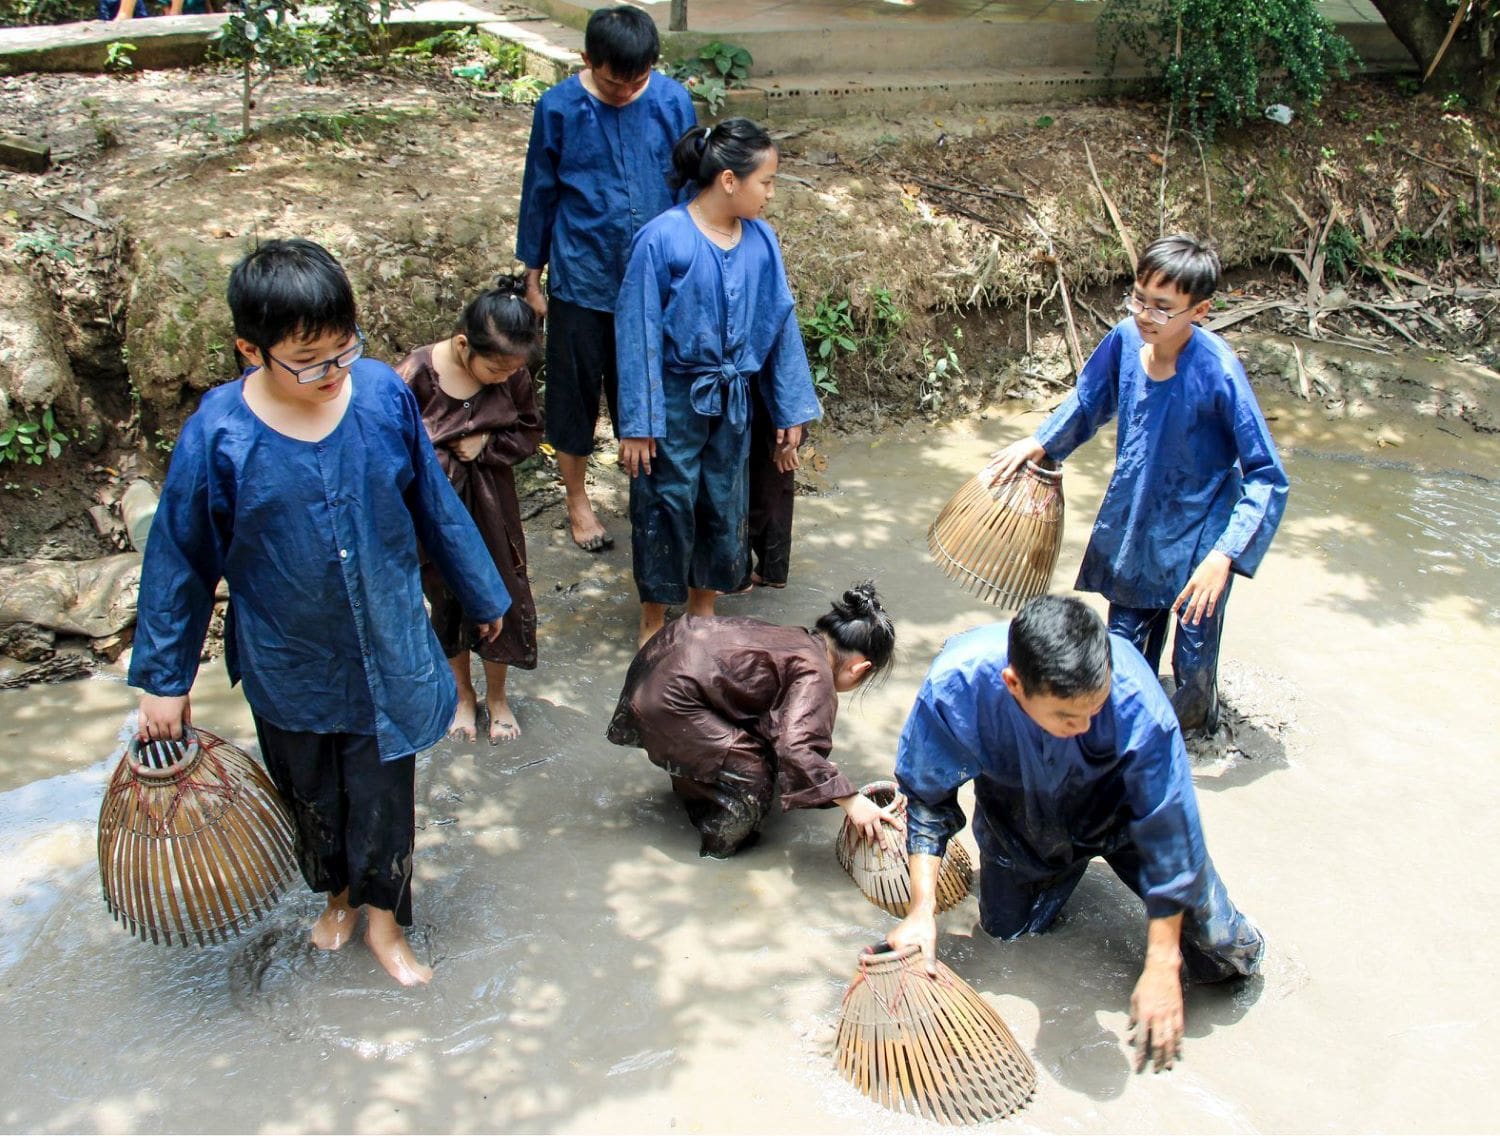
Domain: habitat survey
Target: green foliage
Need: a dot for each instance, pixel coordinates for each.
(713, 72)
(117, 56)
(941, 363)
(828, 333)
(1043, 121)
(31, 443)
(44, 242)
(450, 42)
(1234, 57)
(1342, 254)
(262, 37)
(25, 13)
(883, 320)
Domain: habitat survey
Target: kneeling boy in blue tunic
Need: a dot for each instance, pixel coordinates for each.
(1074, 753)
(1197, 490)
(306, 485)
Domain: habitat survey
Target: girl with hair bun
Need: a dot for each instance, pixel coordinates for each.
(741, 712)
(479, 406)
(704, 309)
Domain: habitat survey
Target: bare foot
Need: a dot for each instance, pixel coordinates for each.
(503, 724)
(588, 532)
(464, 724)
(335, 926)
(387, 942)
(757, 582)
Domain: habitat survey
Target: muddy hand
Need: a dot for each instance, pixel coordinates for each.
(1004, 463)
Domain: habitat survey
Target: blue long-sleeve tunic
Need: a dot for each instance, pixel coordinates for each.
(318, 543)
(595, 174)
(1196, 469)
(691, 312)
(1042, 803)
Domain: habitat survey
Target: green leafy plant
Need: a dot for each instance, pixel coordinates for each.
(828, 332)
(44, 242)
(1222, 61)
(1043, 121)
(117, 56)
(883, 319)
(713, 72)
(31, 443)
(942, 366)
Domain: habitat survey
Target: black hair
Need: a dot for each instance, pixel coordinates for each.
(289, 288)
(500, 321)
(1059, 647)
(624, 39)
(858, 624)
(1181, 260)
(705, 152)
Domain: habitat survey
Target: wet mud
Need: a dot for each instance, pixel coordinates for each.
(592, 974)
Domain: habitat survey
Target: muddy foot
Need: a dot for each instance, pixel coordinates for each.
(387, 942)
(503, 724)
(464, 727)
(588, 533)
(336, 925)
(756, 581)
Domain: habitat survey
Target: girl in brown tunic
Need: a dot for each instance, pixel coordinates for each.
(740, 712)
(479, 406)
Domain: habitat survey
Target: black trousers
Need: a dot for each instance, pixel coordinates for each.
(772, 495)
(580, 366)
(355, 814)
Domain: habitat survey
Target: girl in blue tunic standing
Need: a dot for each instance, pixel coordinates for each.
(704, 308)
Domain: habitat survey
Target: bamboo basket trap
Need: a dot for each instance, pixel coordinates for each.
(928, 1046)
(884, 873)
(1001, 541)
(195, 848)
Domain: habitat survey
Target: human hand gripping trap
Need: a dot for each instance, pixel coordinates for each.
(916, 1042)
(194, 842)
(1000, 534)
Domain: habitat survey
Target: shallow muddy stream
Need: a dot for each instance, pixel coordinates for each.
(594, 975)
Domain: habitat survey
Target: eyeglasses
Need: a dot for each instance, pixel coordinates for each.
(317, 372)
(1155, 315)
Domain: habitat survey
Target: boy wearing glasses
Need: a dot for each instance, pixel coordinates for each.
(596, 172)
(1198, 489)
(306, 485)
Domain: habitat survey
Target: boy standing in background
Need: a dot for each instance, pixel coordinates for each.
(596, 172)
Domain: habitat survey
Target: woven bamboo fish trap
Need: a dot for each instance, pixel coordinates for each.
(196, 848)
(928, 1046)
(883, 873)
(1001, 542)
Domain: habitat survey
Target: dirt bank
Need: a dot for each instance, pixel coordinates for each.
(934, 244)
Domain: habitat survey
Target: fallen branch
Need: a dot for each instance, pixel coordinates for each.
(1114, 214)
(1075, 348)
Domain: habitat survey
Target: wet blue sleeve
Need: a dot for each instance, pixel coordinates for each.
(638, 340)
(181, 570)
(1263, 484)
(933, 759)
(445, 528)
(539, 193)
(1164, 827)
(790, 394)
(1092, 403)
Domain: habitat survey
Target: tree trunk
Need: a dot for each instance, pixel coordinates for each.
(1469, 66)
(678, 20)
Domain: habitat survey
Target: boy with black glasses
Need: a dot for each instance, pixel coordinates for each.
(306, 485)
(1198, 489)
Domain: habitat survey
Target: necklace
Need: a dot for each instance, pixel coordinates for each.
(733, 235)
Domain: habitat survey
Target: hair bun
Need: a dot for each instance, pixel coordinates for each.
(862, 600)
(511, 282)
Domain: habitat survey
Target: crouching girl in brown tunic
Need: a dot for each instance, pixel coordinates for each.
(740, 712)
(479, 407)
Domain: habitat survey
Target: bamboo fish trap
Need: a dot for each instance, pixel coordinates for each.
(884, 874)
(928, 1046)
(1001, 542)
(197, 847)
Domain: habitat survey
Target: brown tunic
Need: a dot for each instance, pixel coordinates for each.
(487, 486)
(712, 694)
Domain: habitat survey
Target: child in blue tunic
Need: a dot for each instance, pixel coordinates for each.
(306, 485)
(596, 171)
(1198, 488)
(1074, 753)
(704, 308)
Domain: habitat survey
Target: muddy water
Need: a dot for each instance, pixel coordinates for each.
(593, 974)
